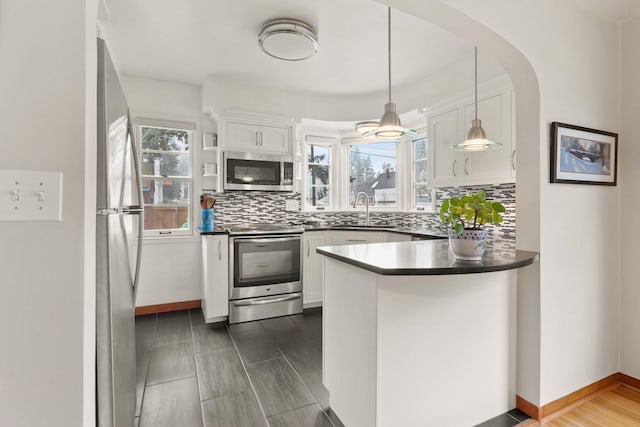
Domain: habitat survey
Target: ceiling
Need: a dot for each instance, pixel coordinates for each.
(188, 40)
(610, 10)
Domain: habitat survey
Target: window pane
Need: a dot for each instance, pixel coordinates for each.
(164, 139)
(421, 171)
(423, 196)
(420, 149)
(318, 175)
(162, 164)
(166, 204)
(373, 171)
(319, 196)
(319, 154)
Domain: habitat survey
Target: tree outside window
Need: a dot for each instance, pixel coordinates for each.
(166, 178)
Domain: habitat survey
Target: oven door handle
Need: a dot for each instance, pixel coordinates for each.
(267, 239)
(267, 300)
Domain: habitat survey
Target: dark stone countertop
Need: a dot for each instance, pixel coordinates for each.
(426, 233)
(427, 257)
(216, 230)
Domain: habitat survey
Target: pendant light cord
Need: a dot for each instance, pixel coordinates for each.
(476, 68)
(389, 47)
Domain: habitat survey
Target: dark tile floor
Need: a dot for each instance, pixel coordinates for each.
(256, 374)
(264, 373)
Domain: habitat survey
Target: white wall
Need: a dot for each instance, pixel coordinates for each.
(629, 155)
(576, 65)
(221, 94)
(47, 82)
(171, 267)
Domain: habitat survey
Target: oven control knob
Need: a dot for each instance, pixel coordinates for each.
(268, 289)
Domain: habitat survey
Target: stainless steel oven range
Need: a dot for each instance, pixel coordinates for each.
(265, 271)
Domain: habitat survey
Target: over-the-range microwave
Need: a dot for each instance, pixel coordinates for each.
(258, 171)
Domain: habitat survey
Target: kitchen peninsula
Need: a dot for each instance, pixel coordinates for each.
(413, 337)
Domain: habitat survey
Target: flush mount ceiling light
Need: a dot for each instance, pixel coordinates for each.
(389, 126)
(476, 138)
(288, 39)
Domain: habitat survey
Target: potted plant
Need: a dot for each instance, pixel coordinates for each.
(464, 219)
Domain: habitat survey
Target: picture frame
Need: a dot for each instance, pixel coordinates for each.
(582, 155)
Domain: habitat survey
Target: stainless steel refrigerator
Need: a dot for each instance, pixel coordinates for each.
(118, 244)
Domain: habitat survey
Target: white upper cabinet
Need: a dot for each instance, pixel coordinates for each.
(449, 126)
(258, 137)
(443, 133)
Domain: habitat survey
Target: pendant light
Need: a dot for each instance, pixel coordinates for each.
(389, 126)
(476, 138)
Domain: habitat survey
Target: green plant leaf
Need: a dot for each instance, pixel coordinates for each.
(458, 228)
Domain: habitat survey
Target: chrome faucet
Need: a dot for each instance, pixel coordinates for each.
(366, 205)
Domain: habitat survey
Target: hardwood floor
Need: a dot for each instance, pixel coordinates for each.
(617, 407)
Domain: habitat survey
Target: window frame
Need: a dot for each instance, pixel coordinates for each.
(191, 130)
(345, 197)
(413, 182)
(331, 142)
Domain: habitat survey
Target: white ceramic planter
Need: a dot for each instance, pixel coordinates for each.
(469, 245)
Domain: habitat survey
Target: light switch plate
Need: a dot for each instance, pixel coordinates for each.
(291, 205)
(30, 195)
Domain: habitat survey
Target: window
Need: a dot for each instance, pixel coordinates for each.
(166, 179)
(372, 170)
(422, 193)
(319, 176)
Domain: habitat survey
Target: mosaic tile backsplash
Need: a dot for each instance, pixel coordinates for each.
(258, 206)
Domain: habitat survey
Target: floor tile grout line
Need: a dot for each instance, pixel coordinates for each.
(195, 365)
(246, 372)
(146, 374)
(299, 407)
(171, 381)
(306, 386)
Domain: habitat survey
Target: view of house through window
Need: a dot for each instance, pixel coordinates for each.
(319, 176)
(166, 179)
(372, 170)
(422, 193)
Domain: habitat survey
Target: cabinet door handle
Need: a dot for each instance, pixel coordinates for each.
(219, 250)
(257, 140)
(513, 160)
(453, 168)
(466, 166)
(356, 240)
(308, 248)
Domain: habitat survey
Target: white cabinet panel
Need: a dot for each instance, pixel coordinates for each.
(253, 137)
(275, 139)
(215, 277)
(313, 266)
(344, 237)
(443, 134)
(494, 165)
(450, 126)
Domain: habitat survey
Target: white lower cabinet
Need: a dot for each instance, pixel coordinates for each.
(344, 237)
(215, 277)
(313, 267)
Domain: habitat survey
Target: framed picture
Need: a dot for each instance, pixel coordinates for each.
(582, 155)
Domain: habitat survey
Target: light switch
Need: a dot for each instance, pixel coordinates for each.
(30, 195)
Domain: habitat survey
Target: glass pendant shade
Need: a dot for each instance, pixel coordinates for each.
(476, 137)
(366, 126)
(389, 126)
